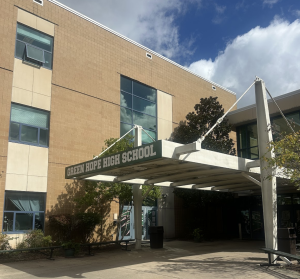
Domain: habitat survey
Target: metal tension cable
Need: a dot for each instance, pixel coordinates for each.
(200, 140)
(287, 122)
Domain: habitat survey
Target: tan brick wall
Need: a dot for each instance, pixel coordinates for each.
(85, 100)
(5, 96)
(8, 26)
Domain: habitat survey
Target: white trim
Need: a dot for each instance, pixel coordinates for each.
(135, 43)
(280, 97)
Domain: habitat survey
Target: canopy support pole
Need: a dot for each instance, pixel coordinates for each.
(137, 197)
(268, 180)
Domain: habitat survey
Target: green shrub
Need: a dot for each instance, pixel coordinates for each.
(35, 239)
(78, 227)
(4, 244)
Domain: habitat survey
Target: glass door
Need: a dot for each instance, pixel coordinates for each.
(149, 218)
(126, 226)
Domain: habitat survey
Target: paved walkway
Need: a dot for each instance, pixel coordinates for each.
(178, 259)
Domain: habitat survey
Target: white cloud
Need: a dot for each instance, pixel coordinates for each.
(297, 13)
(220, 9)
(219, 17)
(149, 22)
(270, 2)
(272, 53)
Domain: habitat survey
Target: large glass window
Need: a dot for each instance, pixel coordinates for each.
(138, 106)
(247, 137)
(34, 46)
(23, 211)
(29, 125)
(248, 141)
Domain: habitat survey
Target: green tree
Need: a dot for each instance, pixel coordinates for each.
(286, 148)
(198, 122)
(97, 193)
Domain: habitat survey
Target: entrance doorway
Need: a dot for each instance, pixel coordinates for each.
(149, 218)
(251, 215)
(289, 212)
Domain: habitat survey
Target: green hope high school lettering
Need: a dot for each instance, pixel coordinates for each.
(113, 160)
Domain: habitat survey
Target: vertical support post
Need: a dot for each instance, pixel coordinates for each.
(268, 189)
(137, 197)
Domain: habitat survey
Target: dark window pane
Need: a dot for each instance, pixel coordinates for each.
(14, 131)
(296, 200)
(144, 91)
(30, 116)
(20, 48)
(126, 84)
(280, 126)
(34, 37)
(29, 134)
(44, 137)
(126, 100)
(126, 115)
(125, 128)
(144, 106)
(24, 221)
(284, 199)
(24, 201)
(35, 53)
(243, 153)
(252, 134)
(8, 222)
(147, 122)
(242, 137)
(39, 221)
(48, 60)
(146, 139)
(254, 153)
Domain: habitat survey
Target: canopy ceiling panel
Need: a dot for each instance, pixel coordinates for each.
(160, 164)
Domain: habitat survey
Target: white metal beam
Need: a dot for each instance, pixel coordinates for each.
(231, 186)
(217, 176)
(268, 179)
(159, 169)
(251, 179)
(180, 175)
(218, 183)
(188, 148)
(254, 164)
(253, 187)
(137, 197)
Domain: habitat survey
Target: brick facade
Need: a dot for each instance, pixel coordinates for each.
(85, 103)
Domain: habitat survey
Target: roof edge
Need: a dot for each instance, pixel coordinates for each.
(135, 43)
(280, 97)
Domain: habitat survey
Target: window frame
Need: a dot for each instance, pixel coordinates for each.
(248, 148)
(32, 126)
(134, 110)
(37, 63)
(22, 212)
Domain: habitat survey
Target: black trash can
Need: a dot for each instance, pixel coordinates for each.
(287, 240)
(156, 237)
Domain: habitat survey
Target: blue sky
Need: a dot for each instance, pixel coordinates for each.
(228, 42)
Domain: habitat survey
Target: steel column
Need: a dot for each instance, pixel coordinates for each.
(268, 180)
(137, 197)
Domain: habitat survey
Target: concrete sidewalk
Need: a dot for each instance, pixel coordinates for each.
(178, 259)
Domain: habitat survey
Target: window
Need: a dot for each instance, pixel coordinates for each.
(248, 141)
(40, 2)
(138, 106)
(29, 125)
(247, 137)
(23, 211)
(34, 47)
